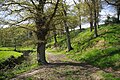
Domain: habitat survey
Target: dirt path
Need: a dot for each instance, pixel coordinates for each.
(62, 68)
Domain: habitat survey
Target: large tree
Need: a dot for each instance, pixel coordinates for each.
(18, 12)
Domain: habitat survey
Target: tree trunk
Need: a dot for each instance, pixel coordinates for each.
(41, 46)
(67, 30)
(118, 14)
(91, 26)
(15, 45)
(95, 19)
(91, 16)
(55, 38)
(41, 53)
(80, 24)
(91, 21)
(68, 36)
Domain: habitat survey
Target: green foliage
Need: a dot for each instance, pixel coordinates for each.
(16, 36)
(7, 54)
(109, 76)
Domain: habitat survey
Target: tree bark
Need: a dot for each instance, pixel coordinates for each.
(68, 36)
(80, 24)
(41, 46)
(55, 38)
(91, 21)
(41, 53)
(95, 19)
(91, 26)
(118, 14)
(67, 29)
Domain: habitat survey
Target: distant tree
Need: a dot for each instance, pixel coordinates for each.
(90, 9)
(66, 26)
(79, 9)
(115, 3)
(95, 11)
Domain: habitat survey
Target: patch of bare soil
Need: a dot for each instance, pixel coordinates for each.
(62, 68)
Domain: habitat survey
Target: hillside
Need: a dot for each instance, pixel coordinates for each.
(103, 51)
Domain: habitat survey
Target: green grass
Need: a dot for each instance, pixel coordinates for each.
(27, 65)
(103, 51)
(6, 48)
(7, 54)
(109, 76)
(18, 48)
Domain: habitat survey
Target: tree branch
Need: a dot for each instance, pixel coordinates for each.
(76, 4)
(26, 28)
(55, 9)
(33, 3)
(115, 4)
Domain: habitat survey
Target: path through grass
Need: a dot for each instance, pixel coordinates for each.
(62, 68)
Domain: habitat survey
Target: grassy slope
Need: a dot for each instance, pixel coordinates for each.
(103, 51)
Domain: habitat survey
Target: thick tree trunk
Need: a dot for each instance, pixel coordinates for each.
(41, 53)
(41, 46)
